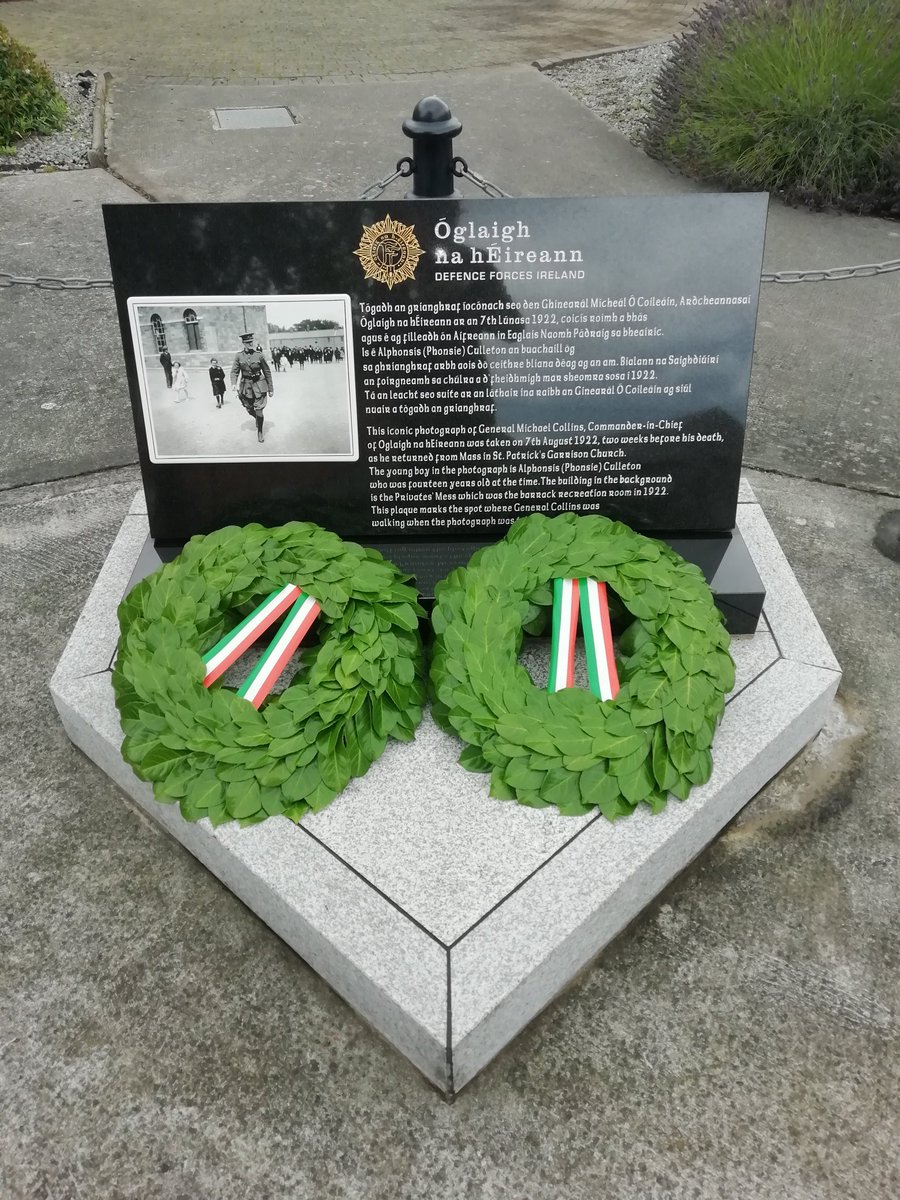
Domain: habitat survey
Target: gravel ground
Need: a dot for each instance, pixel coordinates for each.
(66, 150)
(617, 87)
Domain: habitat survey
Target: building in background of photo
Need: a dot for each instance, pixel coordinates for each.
(195, 334)
(314, 339)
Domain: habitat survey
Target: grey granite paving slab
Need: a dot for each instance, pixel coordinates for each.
(434, 850)
(510, 966)
(94, 638)
(753, 655)
(424, 831)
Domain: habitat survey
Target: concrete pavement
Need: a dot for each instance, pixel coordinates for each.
(157, 1041)
(230, 41)
(68, 410)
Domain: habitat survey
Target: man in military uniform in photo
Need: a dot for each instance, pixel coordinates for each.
(255, 384)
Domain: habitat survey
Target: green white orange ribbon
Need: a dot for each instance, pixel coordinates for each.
(296, 625)
(598, 644)
(565, 626)
(587, 597)
(242, 637)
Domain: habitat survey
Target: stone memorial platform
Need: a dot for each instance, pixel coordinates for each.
(445, 918)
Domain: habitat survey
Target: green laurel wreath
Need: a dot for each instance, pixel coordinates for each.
(567, 748)
(212, 751)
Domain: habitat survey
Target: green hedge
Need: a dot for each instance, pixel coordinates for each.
(797, 97)
(29, 101)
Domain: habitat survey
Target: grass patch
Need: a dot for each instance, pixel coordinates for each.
(798, 97)
(29, 101)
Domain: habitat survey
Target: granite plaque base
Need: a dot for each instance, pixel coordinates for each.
(446, 919)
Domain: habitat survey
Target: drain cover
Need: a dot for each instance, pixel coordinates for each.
(251, 118)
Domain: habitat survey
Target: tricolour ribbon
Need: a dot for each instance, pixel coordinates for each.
(242, 637)
(565, 625)
(296, 625)
(598, 644)
(587, 598)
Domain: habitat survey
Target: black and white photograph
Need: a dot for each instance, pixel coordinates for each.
(246, 378)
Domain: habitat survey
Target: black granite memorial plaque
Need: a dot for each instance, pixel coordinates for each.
(431, 370)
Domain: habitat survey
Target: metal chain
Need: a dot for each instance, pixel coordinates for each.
(817, 275)
(51, 283)
(403, 171)
(462, 171)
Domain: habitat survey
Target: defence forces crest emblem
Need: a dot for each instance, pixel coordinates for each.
(389, 251)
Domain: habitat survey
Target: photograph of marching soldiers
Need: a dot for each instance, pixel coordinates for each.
(250, 379)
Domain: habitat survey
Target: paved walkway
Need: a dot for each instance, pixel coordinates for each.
(156, 1040)
(233, 41)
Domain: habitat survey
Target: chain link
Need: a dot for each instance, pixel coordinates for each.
(403, 170)
(817, 275)
(51, 283)
(462, 170)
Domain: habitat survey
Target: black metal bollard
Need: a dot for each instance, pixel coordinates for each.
(432, 128)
